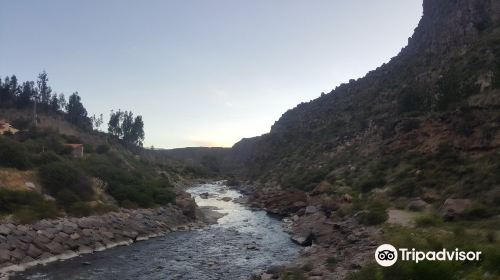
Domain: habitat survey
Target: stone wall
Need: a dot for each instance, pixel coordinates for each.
(23, 246)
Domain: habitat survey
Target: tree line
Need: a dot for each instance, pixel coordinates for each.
(14, 94)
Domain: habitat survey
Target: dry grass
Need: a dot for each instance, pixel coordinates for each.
(16, 180)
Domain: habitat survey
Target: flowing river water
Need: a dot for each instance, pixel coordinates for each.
(244, 242)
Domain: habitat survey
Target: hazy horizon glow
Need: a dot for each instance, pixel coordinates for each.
(201, 73)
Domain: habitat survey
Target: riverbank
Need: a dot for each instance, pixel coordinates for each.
(334, 245)
(24, 246)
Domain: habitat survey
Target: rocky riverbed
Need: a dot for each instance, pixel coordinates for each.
(244, 242)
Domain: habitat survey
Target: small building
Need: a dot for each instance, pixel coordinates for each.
(5, 127)
(76, 150)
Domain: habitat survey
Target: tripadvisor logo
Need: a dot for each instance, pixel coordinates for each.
(387, 255)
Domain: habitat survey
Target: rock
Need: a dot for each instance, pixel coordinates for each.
(17, 254)
(4, 230)
(311, 209)
(33, 251)
(55, 248)
(266, 276)
(303, 238)
(75, 236)
(30, 185)
(187, 205)
(300, 204)
(453, 208)
(204, 195)
(417, 205)
(347, 198)
(4, 255)
(226, 199)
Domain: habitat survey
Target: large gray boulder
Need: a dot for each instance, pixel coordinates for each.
(453, 208)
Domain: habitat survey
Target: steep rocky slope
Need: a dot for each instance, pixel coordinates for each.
(443, 88)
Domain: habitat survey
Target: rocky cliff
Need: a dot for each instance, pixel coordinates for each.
(443, 88)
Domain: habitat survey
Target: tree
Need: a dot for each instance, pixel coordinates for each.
(127, 125)
(26, 94)
(114, 124)
(76, 113)
(138, 131)
(61, 100)
(44, 90)
(54, 103)
(9, 91)
(97, 121)
(123, 125)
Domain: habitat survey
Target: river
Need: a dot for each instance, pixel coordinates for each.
(243, 242)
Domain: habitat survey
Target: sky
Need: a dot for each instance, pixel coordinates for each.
(200, 72)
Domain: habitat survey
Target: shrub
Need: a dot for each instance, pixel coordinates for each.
(102, 149)
(46, 158)
(428, 220)
(375, 214)
(375, 181)
(59, 176)
(80, 209)
(13, 154)
(479, 211)
(66, 198)
(26, 206)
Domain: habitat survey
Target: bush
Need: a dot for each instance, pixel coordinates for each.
(375, 181)
(46, 158)
(80, 209)
(479, 211)
(59, 176)
(26, 206)
(375, 214)
(428, 220)
(102, 149)
(13, 154)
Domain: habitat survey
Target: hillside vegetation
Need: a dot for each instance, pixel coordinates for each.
(40, 176)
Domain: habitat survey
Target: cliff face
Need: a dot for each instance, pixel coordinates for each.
(452, 24)
(441, 89)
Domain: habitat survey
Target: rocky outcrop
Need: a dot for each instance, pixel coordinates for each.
(22, 246)
(278, 201)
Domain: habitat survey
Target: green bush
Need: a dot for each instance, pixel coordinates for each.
(59, 176)
(428, 220)
(46, 158)
(480, 211)
(375, 214)
(375, 181)
(26, 206)
(80, 209)
(13, 154)
(130, 189)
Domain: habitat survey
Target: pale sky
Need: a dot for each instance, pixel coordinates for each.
(201, 72)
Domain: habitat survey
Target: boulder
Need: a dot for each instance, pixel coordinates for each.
(187, 205)
(4, 230)
(417, 205)
(303, 238)
(4, 255)
(204, 195)
(55, 248)
(33, 251)
(453, 208)
(311, 209)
